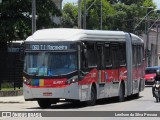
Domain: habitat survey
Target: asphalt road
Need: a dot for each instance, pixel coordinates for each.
(144, 103)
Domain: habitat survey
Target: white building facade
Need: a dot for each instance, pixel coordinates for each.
(154, 41)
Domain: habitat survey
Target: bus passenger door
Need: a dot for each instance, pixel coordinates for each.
(101, 71)
(109, 76)
(135, 69)
(115, 69)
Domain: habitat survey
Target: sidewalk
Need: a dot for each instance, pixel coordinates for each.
(12, 99)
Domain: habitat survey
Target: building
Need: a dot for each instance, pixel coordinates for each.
(57, 20)
(154, 41)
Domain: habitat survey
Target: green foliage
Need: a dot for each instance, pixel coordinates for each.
(130, 2)
(112, 1)
(15, 20)
(46, 9)
(117, 14)
(94, 14)
(7, 85)
(148, 3)
(70, 15)
(125, 17)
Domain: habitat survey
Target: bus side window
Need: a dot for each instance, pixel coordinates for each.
(89, 57)
(138, 55)
(100, 55)
(108, 56)
(142, 53)
(122, 57)
(84, 56)
(134, 55)
(115, 55)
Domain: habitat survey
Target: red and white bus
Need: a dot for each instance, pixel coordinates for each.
(104, 64)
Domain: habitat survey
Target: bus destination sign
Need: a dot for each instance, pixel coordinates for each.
(49, 47)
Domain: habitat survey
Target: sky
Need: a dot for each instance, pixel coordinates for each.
(155, 1)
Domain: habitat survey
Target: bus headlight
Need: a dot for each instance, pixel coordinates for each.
(27, 81)
(72, 80)
(157, 86)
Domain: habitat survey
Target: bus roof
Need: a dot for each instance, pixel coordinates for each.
(71, 34)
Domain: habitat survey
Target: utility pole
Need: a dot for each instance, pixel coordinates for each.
(85, 12)
(33, 16)
(156, 58)
(79, 14)
(84, 15)
(147, 43)
(101, 15)
(147, 24)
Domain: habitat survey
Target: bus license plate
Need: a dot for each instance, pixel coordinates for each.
(47, 94)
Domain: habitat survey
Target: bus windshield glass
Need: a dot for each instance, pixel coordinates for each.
(50, 63)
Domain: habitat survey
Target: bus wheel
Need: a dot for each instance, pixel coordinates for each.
(121, 94)
(136, 95)
(43, 103)
(93, 97)
(157, 99)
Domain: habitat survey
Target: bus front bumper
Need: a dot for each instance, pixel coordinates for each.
(69, 92)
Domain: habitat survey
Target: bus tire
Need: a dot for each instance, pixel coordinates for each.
(140, 85)
(93, 97)
(121, 93)
(43, 103)
(157, 99)
(137, 95)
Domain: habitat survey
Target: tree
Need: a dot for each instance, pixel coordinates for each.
(94, 13)
(15, 20)
(46, 9)
(70, 15)
(128, 14)
(117, 14)
(124, 18)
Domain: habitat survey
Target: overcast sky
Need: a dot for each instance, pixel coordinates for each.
(156, 1)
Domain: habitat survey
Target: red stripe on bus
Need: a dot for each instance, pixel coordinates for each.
(50, 83)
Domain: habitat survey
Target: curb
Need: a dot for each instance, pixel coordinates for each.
(11, 93)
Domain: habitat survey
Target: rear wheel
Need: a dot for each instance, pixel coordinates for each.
(157, 99)
(121, 93)
(136, 95)
(93, 97)
(44, 103)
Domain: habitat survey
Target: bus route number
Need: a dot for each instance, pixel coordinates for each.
(35, 47)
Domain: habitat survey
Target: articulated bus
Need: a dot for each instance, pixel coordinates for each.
(82, 65)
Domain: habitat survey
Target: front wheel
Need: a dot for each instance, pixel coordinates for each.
(44, 103)
(136, 95)
(93, 97)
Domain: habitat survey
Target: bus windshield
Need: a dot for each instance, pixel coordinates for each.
(50, 63)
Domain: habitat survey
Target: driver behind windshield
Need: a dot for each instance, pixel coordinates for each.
(156, 78)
